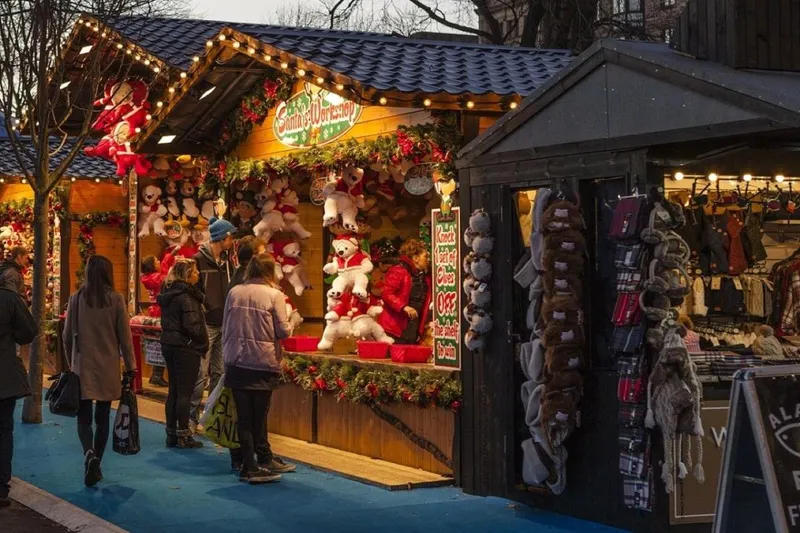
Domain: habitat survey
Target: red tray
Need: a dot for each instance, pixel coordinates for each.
(410, 353)
(301, 343)
(372, 350)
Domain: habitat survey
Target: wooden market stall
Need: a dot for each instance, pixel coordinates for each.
(267, 119)
(628, 118)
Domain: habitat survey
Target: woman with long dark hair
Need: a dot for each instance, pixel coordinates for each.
(96, 331)
(184, 341)
(255, 320)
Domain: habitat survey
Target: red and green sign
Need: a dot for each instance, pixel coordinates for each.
(314, 117)
(445, 239)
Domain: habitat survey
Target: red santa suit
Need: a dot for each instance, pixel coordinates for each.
(152, 282)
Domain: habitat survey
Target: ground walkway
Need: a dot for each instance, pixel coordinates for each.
(194, 492)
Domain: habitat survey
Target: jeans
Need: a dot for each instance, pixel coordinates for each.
(6, 443)
(98, 440)
(183, 369)
(251, 411)
(211, 370)
(263, 449)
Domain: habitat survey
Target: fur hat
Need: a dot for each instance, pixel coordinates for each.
(467, 262)
(563, 284)
(469, 284)
(562, 216)
(469, 237)
(480, 298)
(659, 306)
(482, 245)
(479, 222)
(657, 280)
(562, 358)
(567, 379)
(561, 309)
(481, 321)
(474, 341)
(568, 241)
(560, 408)
(531, 359)
(557, 334)
(558, 261)
(659, 222)
(481, 269)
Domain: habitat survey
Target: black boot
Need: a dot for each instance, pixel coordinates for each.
(186, 442)
(172, 438)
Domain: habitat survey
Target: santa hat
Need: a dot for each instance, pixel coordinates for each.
(278, 247)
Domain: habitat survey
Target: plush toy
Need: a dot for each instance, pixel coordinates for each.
(288, 255)
(287, 205)
(350, 265)
(338, 323)
(364, 324)
(151, 210)
(6, 232)
(343, 197)
(103, 148)
(481, 269)
(263, 195)
(173, 213)
(162, 168)
(271, 221)
(474, 341)
(139, 106)
(116, 101)
(244, 210)
(177, 236)
(201, 235)
(295, 319)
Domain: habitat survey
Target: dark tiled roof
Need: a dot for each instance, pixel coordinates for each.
(383, 62)
(81, 167)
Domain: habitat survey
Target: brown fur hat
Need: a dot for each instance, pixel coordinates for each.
(564, 284)
(562, 216)
(560, 407)
(558, 261)
(569, 379)
(558, 335)
(562, 309)
(568, 241)
(562, 358)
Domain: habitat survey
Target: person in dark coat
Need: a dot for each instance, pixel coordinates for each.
(17, 327)
(184, 342)
(247, 247)
(213, 262)
(11, 270)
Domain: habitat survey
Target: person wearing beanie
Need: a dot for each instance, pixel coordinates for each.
(216, 270)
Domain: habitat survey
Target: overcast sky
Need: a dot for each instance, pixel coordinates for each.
(236, 10)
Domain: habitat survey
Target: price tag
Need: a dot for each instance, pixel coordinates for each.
(738, 284)
(716, 283)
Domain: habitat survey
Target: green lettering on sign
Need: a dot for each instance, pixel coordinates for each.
(314, 117)
(445, 238)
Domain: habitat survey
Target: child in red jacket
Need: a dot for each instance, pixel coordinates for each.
(154, 272)
(407, 294)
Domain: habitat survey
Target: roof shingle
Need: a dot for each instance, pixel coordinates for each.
(81, 167)
(384, 62)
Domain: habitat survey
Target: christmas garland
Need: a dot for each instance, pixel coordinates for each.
(252, 110)
(86, 247)
(372, 385)
(436, 141)
(22, 210)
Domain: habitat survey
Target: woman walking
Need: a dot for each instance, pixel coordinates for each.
(96, 331)
(184, 342)
(255, 320)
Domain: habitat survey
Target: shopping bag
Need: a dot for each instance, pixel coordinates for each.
(220, 421)
(64, 395)
(126, 423)
(212, 401)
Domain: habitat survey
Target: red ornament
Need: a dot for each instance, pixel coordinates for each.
(406, 396)
(312, 369)
(455, 406)
(373, 390)
(320, 384)
(340, 383)
(270, 88)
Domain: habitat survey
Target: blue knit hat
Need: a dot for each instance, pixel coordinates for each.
(220, 228)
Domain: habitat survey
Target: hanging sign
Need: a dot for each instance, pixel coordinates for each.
(761, 471)
(445, 239)
(314, 117)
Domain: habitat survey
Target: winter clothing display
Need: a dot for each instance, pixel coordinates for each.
(477, 278)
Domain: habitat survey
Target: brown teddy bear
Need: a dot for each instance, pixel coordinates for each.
(562, 216)
(568, 241)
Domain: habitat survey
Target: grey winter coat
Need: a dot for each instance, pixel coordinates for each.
(16, 327)
(104, 333)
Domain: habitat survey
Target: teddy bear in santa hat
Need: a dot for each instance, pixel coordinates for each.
(344, 196)
(364, 324)
(351, 266)
(288, 255)
(338, 322)
(287, 205)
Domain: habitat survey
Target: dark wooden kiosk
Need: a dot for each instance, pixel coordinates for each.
(621, 116)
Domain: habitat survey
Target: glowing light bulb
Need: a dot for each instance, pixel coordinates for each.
(222, 37)
(284, 65)
(119, 46)
(339, 87)
(97, 180)
(513, 105)
(470, 104)
(251, 50)
(427, 102)
(712, 177)
(236, 44)
(159, 104)
(156, 70)
(209, 44)
(383, 100)
(172, 89)
(320, 80)
(747, 177)
(779, 178)
(678, 176)
(267, 57)
(183, 75)
(72, 180)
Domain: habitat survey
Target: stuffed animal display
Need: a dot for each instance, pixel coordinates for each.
(552, 271)
(477, 279)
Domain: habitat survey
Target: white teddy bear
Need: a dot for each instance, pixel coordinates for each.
(294, 315)
(151, 210)
(271, 221)
(288, 255)
(287, 205)
(351, 266)
(338, 323)
(364, 324)
(344, 196)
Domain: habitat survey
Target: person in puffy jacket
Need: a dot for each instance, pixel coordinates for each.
(154, 272)
(255, 320)
(407, 294)
(184, 342)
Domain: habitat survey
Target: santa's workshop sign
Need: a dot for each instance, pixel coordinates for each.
(445, 239)
(314, 117)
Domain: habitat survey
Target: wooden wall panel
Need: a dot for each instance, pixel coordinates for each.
(15, 192)
(88, 196)
(291, 413)
(110, 242)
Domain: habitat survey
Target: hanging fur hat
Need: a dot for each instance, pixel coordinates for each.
(559, 414)
(480, 222)
(567, 379)
(466, 263)
(562, 309)
(567, 241)
(562, 358)
(480, 296)
(562, 216)
(481, 321)
(469, 284)
(483, 245)
(558, 261)
(474, 341)
(557, 334)
(481, 268)
(469, 237)
(563, 284)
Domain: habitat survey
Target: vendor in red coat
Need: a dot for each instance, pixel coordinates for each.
(407, 294)
(154, 272)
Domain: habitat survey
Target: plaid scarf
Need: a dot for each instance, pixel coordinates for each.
(631, 388)
(637, 493)
(627, 339)
(629, 280)
(631, 415)
(629, 255)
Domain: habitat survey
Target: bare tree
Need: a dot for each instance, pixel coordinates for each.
(54, 99)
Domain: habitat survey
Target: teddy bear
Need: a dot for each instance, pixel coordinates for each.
(351, 266)
(338, 323)
(116, 102)
(173, 212)
(188, 202)
(343, 197)
(244, 210)
(271, 221)
(364, 324)
(177, 236)
(151, 210)
(287, 205)
(295, 319)
(288, 255)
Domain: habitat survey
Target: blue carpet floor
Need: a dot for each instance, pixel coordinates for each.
(194, 492)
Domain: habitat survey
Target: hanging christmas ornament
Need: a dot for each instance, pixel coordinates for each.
(419, 179)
